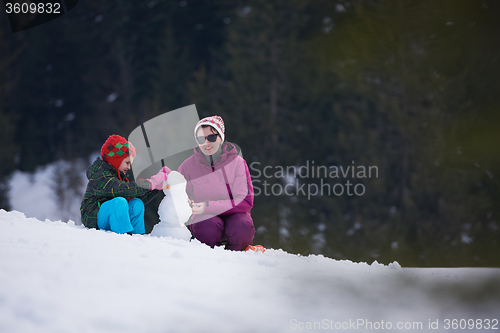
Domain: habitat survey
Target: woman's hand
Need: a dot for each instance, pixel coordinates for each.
(197, 208)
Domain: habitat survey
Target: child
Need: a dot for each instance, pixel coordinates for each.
(111, 202)
(220, 189)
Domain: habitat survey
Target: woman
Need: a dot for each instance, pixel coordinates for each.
(219, 188)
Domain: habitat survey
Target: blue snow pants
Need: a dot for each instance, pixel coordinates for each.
(120, 216)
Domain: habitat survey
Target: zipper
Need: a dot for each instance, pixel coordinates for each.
(212, 163)
(225, 180)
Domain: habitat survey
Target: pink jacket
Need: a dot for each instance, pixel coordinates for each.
(226, 187)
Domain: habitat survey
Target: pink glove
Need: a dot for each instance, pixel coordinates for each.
(156, 182)
(166, 170)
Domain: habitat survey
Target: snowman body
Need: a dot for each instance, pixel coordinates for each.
(174, 210)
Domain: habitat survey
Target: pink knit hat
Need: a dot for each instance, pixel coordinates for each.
(214, 121)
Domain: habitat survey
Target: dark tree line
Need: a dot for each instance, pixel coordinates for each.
(406, 86)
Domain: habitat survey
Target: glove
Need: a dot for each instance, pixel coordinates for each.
(156, 182)
(166, 170)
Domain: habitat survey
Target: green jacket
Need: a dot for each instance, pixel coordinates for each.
(105, 185)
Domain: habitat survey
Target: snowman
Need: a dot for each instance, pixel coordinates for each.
(174, 210)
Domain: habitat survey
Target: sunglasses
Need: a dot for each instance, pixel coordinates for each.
(210, 138)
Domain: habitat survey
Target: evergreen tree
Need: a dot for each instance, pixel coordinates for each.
(418, 65)
(9, 49)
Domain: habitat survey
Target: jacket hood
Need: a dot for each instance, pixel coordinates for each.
(229, 152)
(100, 166)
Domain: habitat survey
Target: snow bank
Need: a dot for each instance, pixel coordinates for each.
(54, 191)
(58, 277)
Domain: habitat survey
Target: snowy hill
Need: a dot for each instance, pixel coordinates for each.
(58, 277)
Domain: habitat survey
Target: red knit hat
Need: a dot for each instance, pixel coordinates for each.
(116, 149)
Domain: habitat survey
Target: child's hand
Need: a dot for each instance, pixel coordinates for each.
(198, 208)
(165, 170)
(156, 182)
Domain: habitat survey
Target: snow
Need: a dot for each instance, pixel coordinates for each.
(59, 277)
(36, 194)
(32, 194)
(113, 96)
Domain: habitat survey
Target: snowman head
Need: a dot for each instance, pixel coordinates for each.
(175, 181)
